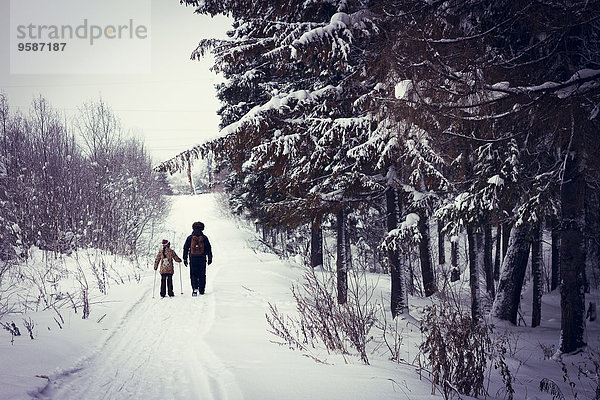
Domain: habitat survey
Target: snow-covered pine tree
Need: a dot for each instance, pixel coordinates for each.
(524, 70)
(300, 58)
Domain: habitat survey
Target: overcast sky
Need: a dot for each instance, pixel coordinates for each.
(173, 106)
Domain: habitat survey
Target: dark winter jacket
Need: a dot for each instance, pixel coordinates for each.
(207, 247)
(165, 258)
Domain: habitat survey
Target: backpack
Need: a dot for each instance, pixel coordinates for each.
(197, 245)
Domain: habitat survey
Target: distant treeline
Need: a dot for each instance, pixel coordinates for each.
(74, 184)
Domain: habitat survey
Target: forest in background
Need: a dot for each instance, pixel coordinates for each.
(379, 120)
(68, 185)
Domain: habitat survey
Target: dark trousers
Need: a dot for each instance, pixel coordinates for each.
(198, 273)
(166, 282)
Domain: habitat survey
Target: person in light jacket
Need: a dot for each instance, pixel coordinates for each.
(164, 259)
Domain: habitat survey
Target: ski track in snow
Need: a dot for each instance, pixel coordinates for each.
(157, 351)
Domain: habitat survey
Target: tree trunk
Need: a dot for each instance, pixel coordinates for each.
(512, 274)
(592, 236)
(209, 170)
(412, 288)
(342, 258)
(316, 243)
(347, 235)
(189, 174)
(441, 245)
(399, 298)
(497, 256)
(265, 232)
(506, 228)
(572, 249)
(555, 257)
(474, 249)
(425, 256)
(455, 270)
(487, 260)
(537, 273)
(454, 252)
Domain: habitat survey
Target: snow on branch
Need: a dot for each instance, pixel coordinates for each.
(406, 233)
(339, 22)
(277, 103)
(580, 82)
(181, 160)
(381, 145)
(252, 119)
(339, 33)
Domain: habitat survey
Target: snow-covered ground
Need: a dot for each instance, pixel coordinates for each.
(138, 346)
(211, 347)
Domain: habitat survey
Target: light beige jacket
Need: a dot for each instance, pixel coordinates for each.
(166, 260)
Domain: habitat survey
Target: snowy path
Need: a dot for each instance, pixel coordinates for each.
(217, 346)
(158, 350)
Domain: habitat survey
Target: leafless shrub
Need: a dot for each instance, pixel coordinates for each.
(391, 335)
(549, 386)
(360, 313)
(5, 307)
(98, 267)
(457, 350)
(137, 273)
(287, 329)
(84, 293)
(86, 303)
(499, 350)
(60, 316)
(44, 154)
(29, 325)
(322, 321)
(548, 351)
(60, 326)
(5, 289)
(44, 275)
(12, 329)
(316, 323)
(588, 376)
(73, 303)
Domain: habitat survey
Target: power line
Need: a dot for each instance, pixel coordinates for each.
(130, 109)
(181, 129)
(166, 111)
(100, 83)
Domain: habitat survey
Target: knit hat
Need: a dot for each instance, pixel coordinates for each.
(199, 226)
(165, 242)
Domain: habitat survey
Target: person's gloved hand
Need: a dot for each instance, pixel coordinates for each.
(185, 262)
(209, 260)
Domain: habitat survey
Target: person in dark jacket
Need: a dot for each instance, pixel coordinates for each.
(197, 247)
